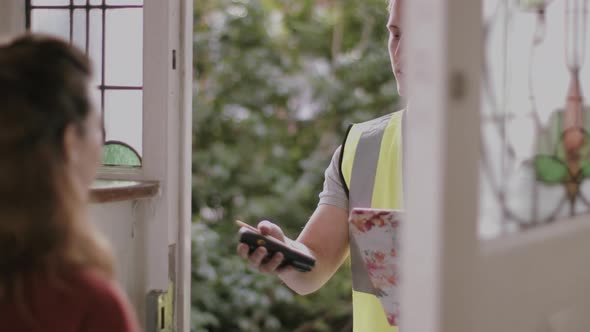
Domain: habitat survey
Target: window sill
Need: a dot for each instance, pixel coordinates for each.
(106, 191)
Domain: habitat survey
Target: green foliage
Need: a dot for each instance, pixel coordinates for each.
(277, 83)
(227, 296)
(585, 172)
(549, 169)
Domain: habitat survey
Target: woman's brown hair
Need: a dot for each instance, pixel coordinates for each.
(43, 228)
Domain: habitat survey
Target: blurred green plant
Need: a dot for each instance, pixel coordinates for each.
(277, 83)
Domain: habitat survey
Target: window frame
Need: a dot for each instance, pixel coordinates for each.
(464, 282)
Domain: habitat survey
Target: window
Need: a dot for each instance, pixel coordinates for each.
(535, 125)
(111, 33)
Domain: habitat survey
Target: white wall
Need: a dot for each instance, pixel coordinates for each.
(122, 224)
(10, 22)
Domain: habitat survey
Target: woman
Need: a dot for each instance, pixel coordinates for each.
(55, 272)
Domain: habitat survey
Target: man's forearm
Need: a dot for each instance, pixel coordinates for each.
(304, 283)
(325, 237)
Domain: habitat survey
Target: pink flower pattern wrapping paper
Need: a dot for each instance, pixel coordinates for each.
(377, 236)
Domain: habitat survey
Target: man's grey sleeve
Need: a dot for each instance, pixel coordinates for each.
(334, 192)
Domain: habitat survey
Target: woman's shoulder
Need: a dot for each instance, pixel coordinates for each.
(92, 282)
(77, 300)
(109, 309)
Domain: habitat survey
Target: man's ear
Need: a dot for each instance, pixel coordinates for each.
(71, 144)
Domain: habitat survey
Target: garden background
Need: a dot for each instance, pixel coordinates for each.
(276, 84)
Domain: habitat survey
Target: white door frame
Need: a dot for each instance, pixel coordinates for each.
(184, 244)
(11, 19)
(440, 234)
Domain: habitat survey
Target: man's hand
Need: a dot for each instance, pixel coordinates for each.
(259, 259)
(325, 237)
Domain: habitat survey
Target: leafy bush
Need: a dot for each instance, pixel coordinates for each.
(277, 83)
(227, 296)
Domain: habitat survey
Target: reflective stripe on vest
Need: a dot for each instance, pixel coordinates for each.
(371, 167)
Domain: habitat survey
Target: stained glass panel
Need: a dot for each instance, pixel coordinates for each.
(79, 28)
(111, 33)
(128, 104)
(50, 2)
(95, 43)
(124, 47)
(535, 124)
(51, 21)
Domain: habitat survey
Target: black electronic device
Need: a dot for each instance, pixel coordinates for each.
(292, 256)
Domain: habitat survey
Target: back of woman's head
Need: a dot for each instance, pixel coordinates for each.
(44, 90)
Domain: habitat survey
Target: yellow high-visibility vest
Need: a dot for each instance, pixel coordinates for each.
(371, 167)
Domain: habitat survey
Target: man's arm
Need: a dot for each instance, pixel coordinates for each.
(325, 237)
